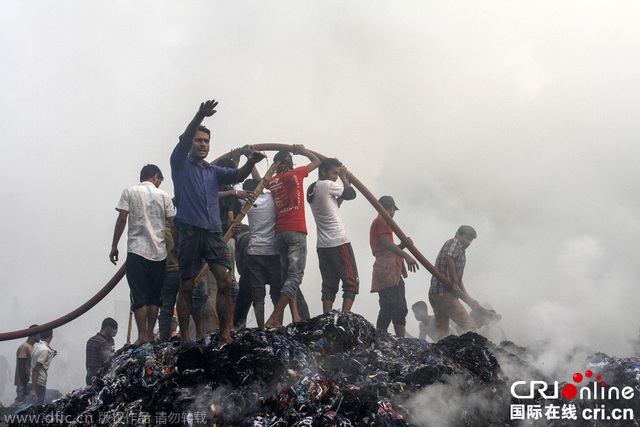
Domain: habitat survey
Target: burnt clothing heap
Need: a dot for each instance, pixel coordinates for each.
(332, 370)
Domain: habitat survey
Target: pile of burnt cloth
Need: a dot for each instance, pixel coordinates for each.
(331, 370)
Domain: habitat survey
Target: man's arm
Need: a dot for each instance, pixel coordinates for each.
(106, 351)
(235, 155)
(464, 296)
(455, 281)
(253, 157)
(348, 193)
(175, 234)
(23, 370)
(121, 222)
(207, 109)
(474, 304)
(302, 150)
(238, 194)
(34, 377)
(423, 331)
(392, 247)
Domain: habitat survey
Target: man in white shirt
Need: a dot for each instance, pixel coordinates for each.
(263, 256)
(41, 358)
(335, 254)
(148, 209)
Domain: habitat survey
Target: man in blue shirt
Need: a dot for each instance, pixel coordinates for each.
(196, 185)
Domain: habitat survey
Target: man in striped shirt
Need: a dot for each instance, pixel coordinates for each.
(100, 347)
(445, 299)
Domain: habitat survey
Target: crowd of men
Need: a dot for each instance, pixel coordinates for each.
(171, 242)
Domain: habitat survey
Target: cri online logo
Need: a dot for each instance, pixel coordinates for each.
(595, 390)
(569, 391)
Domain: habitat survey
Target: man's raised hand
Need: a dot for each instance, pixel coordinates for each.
(252, 154)
(207, 108)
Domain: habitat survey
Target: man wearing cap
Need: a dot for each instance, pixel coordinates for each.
(388, 271)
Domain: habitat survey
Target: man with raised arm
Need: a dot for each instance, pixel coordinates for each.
(291, 228)
(335, 255)
(196, 185)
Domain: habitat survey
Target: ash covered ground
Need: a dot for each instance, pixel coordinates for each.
(332, 370)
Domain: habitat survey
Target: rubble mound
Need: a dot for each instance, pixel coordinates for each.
(332, 370)
(335, 369)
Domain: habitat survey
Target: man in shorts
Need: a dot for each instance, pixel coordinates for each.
(196, 184)
(147, 208)
(335, 254)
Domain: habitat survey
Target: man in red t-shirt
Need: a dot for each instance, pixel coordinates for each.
(388, 271)
(291, 227)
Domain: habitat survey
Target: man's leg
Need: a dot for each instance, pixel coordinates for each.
(140, 315)
(348, 273)
(21, 393)
(170, 290)
(384, 315)
(184, 308)
(347, 303)
(206, 298)
(155, 282)
(258, 272)
(440, 316)
(243, 303)
(235, 287)
(200, 306)
(258, 309)
(293, 306)
(293, 256)
(138, 278)
(303, 308)
(152, 316)
(41, 391)
(399, 309)
(461, 317)
(399, 329)
(223, 302)
(198, 319)
(330, 277)
(275, 320)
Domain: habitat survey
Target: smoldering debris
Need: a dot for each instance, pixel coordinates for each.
(332, 370)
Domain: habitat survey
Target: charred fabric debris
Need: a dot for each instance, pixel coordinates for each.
(332, 370)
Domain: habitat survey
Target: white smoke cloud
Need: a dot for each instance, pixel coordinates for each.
(518, 119)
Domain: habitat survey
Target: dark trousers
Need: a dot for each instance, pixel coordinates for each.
(393, 306)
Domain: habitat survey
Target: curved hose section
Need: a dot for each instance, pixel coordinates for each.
(272, 146)
(5, 336)
(268, 146)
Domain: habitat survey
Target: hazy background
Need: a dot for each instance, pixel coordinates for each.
(518, 118)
